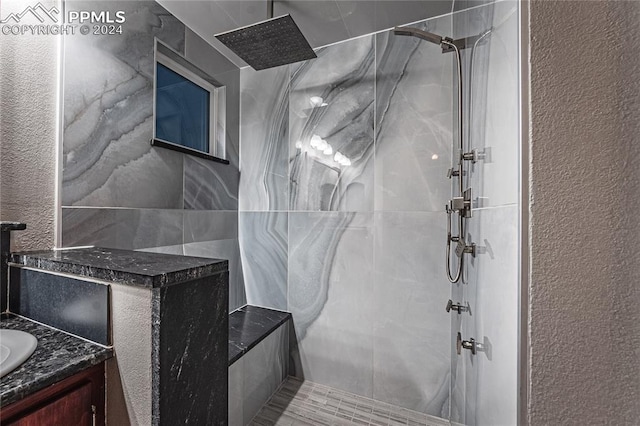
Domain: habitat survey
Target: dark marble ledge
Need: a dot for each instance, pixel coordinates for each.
(152, 270)
(12, 226)
(58, 356)
(250, 325)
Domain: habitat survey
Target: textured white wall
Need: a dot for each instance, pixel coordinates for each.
(28, 81)
(585, 189)
(129, 376)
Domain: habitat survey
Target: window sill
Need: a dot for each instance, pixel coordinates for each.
(183, 149)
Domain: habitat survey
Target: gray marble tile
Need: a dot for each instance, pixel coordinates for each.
(205, 56)
(175, 249)
(331, 298)
(490, 383)
(236, 397)
(210, 60)
(209, 185)
(265, 368)
(343, 76)
(108, 114)
(208, 225)
(414, 121)
(152, 228)
(264, 182)
(459, 5)
(121, 228)
(390, 13)
(411, 327)
(494, 102)
(309, 13)
(358, 16)
(263, 242)
(223, 249)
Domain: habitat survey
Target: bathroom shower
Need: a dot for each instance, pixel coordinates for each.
(461, 203)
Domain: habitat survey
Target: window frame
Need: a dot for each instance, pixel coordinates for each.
(177, 63)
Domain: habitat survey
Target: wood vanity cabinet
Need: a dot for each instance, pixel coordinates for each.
(76, 400)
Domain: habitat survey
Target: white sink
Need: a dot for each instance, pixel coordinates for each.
(15, 348)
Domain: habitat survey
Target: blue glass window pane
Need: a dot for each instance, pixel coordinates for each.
(182, 110)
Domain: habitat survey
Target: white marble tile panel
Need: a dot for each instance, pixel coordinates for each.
(265, 368)
(223, 249)
(330, 297)
(341, 83)
(108, 113)
(414, 121)
(411, 327)
(264, 139)
(264, 246)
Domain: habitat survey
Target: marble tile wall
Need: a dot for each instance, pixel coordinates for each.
(485, 387)
(108, 113)
(264, 185)
(414, 121)
(342, 77)
(359, 262)
(411, 327)
(264, 247)
(331, 284)
(117, 190)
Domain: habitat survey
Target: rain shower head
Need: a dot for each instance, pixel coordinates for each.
(415, 32)
(271, 43)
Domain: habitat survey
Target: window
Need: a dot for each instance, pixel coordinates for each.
(189, 107)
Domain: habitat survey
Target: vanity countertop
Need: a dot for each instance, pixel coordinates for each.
(57, 356)
(130, 267)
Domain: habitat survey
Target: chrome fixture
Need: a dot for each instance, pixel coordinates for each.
(424, 35)
(462, 203)
(474, 156)
(271, 43)
(459, 308)
(5, 249)
(462, 247)
(466, 344)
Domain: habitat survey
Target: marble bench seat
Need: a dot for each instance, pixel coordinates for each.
(258, 359)
(250, 325)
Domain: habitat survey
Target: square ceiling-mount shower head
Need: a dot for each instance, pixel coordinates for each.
(271, 43)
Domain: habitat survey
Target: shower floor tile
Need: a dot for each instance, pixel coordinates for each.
(302, 403)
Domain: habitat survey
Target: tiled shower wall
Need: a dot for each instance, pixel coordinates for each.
(117, 190)
(354, 252)
(485, 387)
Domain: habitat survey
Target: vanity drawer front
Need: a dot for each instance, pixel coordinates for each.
(76, 400)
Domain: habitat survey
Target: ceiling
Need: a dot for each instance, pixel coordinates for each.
(321, 21)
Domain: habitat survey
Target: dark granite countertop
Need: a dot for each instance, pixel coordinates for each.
(139, 268)
(57, 356)
(249, 325)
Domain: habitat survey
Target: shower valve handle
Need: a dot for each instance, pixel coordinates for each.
(474, 156)
(461, 204)
(465, 344)
(456, 307)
